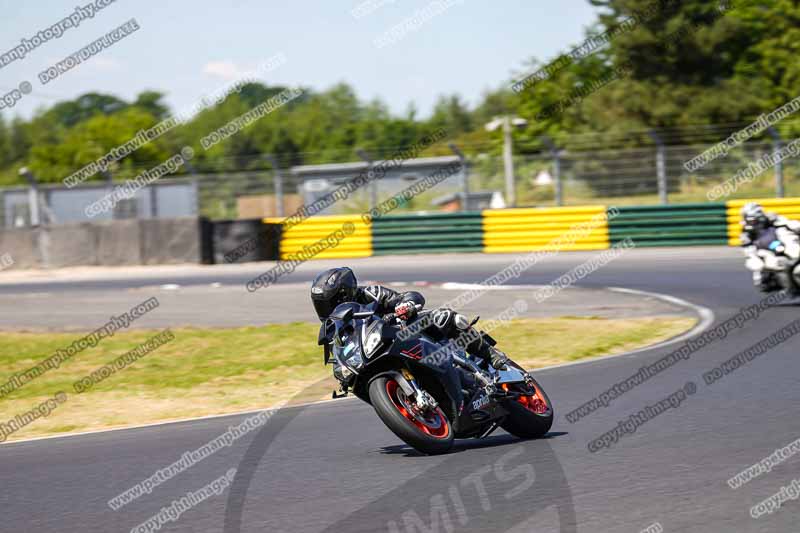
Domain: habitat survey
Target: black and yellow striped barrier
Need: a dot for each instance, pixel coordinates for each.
(549, 228)
(318, 237)
(526, 229)
(670, 225)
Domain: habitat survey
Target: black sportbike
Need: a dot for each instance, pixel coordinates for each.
(425, 392)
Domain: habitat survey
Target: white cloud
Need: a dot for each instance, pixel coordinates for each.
(226, 70)
(105, 63)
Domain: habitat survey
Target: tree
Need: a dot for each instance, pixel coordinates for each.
(72, 112)
(5, 154)
(91, 140)
(451, 113)
(18, 141)
(150, 101)
(681, 65)
(690, 61)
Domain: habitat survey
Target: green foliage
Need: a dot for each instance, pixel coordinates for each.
(687, 64)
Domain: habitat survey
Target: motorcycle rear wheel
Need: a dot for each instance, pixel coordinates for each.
(430, 433)
(530, 417)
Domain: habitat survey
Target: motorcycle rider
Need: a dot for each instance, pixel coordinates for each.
(759, 230)
(338, 285)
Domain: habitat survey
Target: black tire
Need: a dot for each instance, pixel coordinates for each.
(769, 283)
(526, 424)
(380, 394)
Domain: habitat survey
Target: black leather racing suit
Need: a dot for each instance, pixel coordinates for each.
(443, 324)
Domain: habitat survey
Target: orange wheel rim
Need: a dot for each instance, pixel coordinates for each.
(434, 424)
(534, 402)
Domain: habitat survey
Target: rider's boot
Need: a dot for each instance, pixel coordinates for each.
(482, 349)
(497, 357)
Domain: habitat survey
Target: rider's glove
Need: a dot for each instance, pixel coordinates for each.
(405, 310)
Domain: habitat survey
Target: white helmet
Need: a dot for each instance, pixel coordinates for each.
(754, 216)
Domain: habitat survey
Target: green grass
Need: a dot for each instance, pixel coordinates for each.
(215, 371)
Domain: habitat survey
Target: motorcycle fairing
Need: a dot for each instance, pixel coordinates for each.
(422, 353)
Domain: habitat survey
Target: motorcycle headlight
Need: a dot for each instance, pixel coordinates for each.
(355, 361)
(352, 358)
(374, 337)
(342, 373)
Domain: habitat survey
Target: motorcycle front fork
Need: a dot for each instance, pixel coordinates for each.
(423, 400)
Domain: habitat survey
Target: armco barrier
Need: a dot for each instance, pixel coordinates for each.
(531, 229)
(427, 233)
(314, 229)
(670, 225)
(788, 207)
(523, 230)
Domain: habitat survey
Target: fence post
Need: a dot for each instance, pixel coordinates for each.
(556, 154)
(777, 145)
(464, 174)
(661, 167)
(278, 182)
(193, 172)
(33, 204)
(108, 177)
(33, 195)
(153, 200)
(557, 178)
(373, 185)
(508, 162)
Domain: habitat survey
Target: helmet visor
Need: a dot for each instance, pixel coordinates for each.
(324, 308)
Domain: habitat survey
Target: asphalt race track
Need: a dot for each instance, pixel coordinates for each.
(334, 467)
(188, 306)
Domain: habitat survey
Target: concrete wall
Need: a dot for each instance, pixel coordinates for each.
(22, 246)
(108, 243)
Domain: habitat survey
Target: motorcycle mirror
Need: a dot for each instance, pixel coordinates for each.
(327, 354)
(325, 331)
(474, 321)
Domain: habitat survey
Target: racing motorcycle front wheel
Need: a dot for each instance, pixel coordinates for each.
(428, 431)
(530, 416)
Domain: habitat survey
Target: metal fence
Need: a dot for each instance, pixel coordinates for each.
(52, 204)
(640, 175)
(280, 193)
(637, 176)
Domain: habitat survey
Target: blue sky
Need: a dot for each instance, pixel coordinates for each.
(191, 48)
